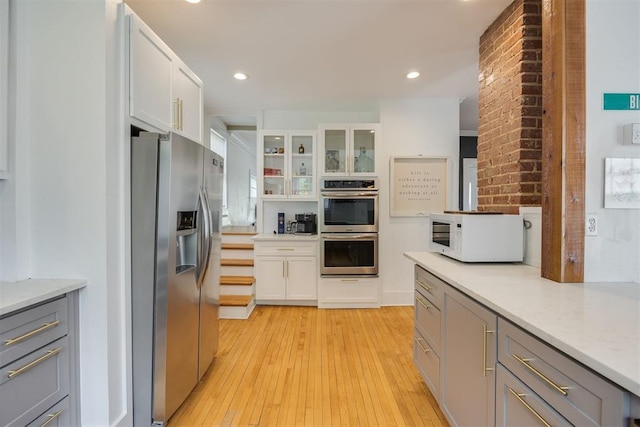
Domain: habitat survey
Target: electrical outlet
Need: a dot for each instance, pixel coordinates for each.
(591, 225)
(632, 133)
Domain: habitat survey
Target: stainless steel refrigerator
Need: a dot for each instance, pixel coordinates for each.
(176, 206)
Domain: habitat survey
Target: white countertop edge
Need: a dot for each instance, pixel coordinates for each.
(285, 237)
(17, 295)
(453, 272)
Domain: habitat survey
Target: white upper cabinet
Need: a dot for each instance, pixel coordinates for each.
(4, 86)
(163, 91)
(348, 149)
(187, 99)
(288, 164)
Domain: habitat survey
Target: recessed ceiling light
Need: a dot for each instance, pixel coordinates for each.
(193, 1)
(413, 75)
(240, 76)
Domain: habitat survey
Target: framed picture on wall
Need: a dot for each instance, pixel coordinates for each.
(622, 183)
(419, 185)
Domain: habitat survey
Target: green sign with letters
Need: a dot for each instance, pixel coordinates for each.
(621, 101)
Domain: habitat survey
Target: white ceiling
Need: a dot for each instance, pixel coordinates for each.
(325, 55)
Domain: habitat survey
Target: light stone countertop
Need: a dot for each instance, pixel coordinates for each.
(287, 237)
(597, 324)
(17, 295)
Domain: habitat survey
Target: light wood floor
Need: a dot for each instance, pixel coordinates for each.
(294, 366)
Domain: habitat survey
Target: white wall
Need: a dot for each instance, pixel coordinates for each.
(69, 172)
(613, 65)
(411, 127)
(309, 120)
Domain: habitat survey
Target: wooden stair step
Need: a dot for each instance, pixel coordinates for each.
(235, 300)
(237, 280)
(238, 246)
(231, 262)
(239, 231)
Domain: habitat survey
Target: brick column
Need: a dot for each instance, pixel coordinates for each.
(510, 105)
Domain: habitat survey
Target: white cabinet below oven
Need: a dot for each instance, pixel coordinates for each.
(349, 292)
(286, 272)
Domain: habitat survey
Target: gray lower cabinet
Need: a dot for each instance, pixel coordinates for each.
(484, 370)
(579, 395)
(427, 346)
(469, 354)
(37, 364)
(518, 406)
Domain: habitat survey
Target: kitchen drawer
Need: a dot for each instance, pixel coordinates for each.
(38, 381)
(517, 405)
(427, 320)
(349, 292)
(428, 363)
(578, 394)
(58, 415)
(286, 248)
(432, 287)
(23, 332)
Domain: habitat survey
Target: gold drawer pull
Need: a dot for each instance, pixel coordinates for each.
(52, 417)
(48, 354)
(424, 349)
(286, 249)
(525, 362)
(422, 303)
(485, 331)
(424, 286)
(32, 333)
(526, 405)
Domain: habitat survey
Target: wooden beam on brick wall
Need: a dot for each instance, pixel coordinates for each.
(563, 139)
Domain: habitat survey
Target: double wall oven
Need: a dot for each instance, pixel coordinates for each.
(349, 227)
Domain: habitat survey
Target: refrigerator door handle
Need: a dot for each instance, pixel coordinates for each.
(203, 242)
(208, 243)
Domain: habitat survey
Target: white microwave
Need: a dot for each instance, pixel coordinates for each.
(477, 237)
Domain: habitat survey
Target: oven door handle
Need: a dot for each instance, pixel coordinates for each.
(338, 236)
(351, 194)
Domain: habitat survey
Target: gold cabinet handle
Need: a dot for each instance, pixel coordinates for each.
(176, 114)
(32, 333)
(422, 303)
(424, 349)
(285, 249)
(526, 405)
(424, 286)
(47, 355)
(52, 417)
(485, 331)
(181, 108)
(525, 362)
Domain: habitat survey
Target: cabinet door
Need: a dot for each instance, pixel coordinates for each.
(301, 275)
(302, 165)
(150, 76)
(270, 278)
(273, 164)
(335, 154)
(187, 102)
(517, 405)
(363, 149)
(469, 362)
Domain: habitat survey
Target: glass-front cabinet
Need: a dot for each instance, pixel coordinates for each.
(288, 164)
(348, 149)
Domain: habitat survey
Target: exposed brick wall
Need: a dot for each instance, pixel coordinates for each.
(510, 106)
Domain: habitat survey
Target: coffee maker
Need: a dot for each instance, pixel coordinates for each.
(305, 223)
